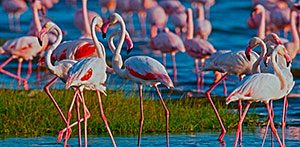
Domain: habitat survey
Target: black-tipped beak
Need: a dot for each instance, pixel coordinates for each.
(128, 51)
(248, 57)
(266, 64)
(103, 35)
(40, 41)
(288, 63)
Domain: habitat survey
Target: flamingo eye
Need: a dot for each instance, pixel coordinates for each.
(87, 75)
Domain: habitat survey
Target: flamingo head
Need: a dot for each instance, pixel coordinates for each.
(48, 26)
(113, 19)
(255, 41)
(98, 22)
(274, 38)
(37, 4)
(128, 42)
(295, 7)
(283, 52)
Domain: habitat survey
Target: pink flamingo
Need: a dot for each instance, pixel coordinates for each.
(199, 49)
(61, 70)
(263, 87)
(14, 8)
(143, 70)
(168, 42)
(87, 16)
(207, 4)
(171, 7)
(179, 21)
(22, 48)
(157, 18)
(237, 63)
(203, 26)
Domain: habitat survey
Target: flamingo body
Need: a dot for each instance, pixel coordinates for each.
(199, 48)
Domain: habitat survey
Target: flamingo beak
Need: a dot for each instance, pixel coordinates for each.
(278, 41)
(265, 60)
(41, 35)
(104, 28)
(288, 59)
(247, 52)
(129, 43)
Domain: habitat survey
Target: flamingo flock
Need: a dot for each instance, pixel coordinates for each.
(81, 63)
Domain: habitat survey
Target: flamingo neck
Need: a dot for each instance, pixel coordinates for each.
(48, 62)
(277, 70)
(122, 36)
(200, 11)
(262, 25)
(190, 25)
(263, 52)
(295, 36)
(36, 19)
(86, 18)
(99, 45)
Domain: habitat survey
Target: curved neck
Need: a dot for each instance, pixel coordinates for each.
(277, 70)
(52, 48)
(190, 25)
(295, 36)
(86, 18)
(99, 45)
(36, 19)
(263, 52)
(262, 25)
(122, 36)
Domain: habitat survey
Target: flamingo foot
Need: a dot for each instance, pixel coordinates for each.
(223, 132)
(60, 135)
(26, 85)
(68, 134)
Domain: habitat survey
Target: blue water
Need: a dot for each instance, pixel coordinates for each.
(229, 32)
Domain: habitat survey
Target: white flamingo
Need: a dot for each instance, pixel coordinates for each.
(143, 70)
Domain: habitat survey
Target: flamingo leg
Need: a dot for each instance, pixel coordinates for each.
(166, 113)
(142, 18)
(223, 131)
(29, 71)
(202, 75)
(284, 113)
(174, 66)
(104, 118)
(19, 71)
(272, 124)
(239, 126)
(130, 23)
(141, 114)
(240, 107)
(85, 120)
(78, 120)
(197, 75)
(164, 59)
(224, 87)
(266, 132)
(153, 31)
(11, 21)
(17, 18)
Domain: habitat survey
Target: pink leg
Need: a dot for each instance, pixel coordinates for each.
(78, 120)
(6, 62)
(284, 113)
(142, 17)
(166, 113)
(141, 114)
(202, 75)
(225, 87)
(240, 105)
(85, 120)
(239, 126)
(272, 124)
(164, 59)
(11, 22)
(104, 119)
(174, 66)
(153, 31)
(29, 69)
(197, 75)
(19, 71)
(223, 131)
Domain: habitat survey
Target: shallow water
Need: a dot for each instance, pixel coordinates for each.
(229, 32)
(178, 140)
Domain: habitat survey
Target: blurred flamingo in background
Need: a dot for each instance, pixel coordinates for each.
(143, 70)
(237, 63)
(168, 42)
(14, 8)
(203, 26)
(107, 5)
(264, 87)
(157, 18)
(206, 3)
(83, 19)
(199, 49)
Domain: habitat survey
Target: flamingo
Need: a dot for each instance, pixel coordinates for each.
(61, 70)
(264, 87)
(22, 48)
(83, 19)
(199, 49)
(109, 5)
(203, 26)
(171, 7)
(207, 4)
(14, 8)
(142, 70)
(157, 18)
(237, 63)
(168, 42)
(179, 21)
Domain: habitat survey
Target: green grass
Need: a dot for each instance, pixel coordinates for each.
(31, 113)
